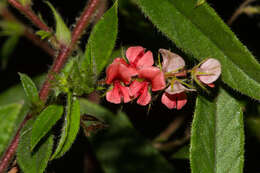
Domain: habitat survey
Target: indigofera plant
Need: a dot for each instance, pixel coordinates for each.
(42, 118)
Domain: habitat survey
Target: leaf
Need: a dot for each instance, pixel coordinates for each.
(120, 148)
(44, 122)
(16, 93)
(101, 42)
(43, 34)
(251, 10)
(62, 31)
(8, 117)
(200, 2)
(182, 153)
(253, 124)
(36, 161)
(201, 33)
(30, 89)
(8, 48)
(217, 135)
(70, 127)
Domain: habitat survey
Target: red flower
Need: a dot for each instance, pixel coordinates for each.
(138, 58)
(151, 76)
(118, 74)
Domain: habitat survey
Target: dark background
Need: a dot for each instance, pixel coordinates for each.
(31, 60)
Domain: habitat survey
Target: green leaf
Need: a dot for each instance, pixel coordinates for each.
(43, 34)
(44, 122)
(120, 148)
(101, 42)
(182, 153)
(8, 117)
(36, 161)
(253, 124)
(16, 93)
(217, 135)
(62, 31)
(201, 33)
(8, 48)
(200, 2)
(10, 28)
(70, 127)
(30, 89)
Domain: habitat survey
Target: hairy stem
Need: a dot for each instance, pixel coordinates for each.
(65, 52)
(8, 155)
(27, 11)
(28, 32)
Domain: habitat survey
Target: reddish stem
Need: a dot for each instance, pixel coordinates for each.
(65, 52)
(58, 64)
(28, 33)
(8, 155)
(27, 11)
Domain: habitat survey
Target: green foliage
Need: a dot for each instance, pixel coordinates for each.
(8, 117)
(101, 42)
(62, 31)
(44, 122)
(251, 10)
(7, 49)
(10, 28)
(254, 126)
(30, 90)
(217, 135)
(43, 34)
(200, 2)
(182, 153)
(70, 127)
(36, 160)
(120, 148)
(199, 32)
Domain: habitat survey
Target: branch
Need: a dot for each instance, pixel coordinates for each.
(27, 11)
(65, 52)
(8, 155)
(28, 33)
(58, 64)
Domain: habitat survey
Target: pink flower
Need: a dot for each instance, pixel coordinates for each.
(151, 77)
(171, 61)
(209, 71)
(138, 58)
(118, 74)
(174, 101)
(175, 96)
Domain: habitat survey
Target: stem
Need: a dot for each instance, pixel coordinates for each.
(65, 52)
(27, 11)
(28, 33)
(8, 155)
(239, 11)
(58, 64)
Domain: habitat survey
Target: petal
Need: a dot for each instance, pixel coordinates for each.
(171, 61)
(169, 101)
(135, 88)
(124, 92)
(181, 100)
(113, 95)
(118, 71)
(133, 52)
(176, 88)
(146, 60)
(213, 68)
(155, 76)
(145, 97)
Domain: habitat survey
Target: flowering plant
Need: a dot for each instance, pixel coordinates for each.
(156, 86)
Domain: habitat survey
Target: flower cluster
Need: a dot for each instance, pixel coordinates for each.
(136, 77)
